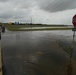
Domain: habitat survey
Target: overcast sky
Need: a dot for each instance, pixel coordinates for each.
(41, 11)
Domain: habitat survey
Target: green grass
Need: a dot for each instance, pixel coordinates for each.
(17, 27)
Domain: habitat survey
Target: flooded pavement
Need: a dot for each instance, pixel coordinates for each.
(37, 52)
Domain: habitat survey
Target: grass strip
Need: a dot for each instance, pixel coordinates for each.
(18, 28)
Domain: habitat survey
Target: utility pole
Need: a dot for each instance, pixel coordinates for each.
(31, 20)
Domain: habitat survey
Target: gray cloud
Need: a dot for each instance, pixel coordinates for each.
(15, 9)
(4, 0)
(57, 5)
(23, 10)
(23, 3)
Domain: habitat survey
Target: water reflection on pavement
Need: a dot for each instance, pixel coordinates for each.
(35, 53)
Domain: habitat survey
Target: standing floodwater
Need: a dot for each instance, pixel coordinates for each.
(37, 52)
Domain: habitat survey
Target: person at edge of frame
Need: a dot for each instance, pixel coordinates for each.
(3, 28)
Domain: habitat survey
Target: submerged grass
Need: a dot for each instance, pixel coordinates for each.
(65, 46)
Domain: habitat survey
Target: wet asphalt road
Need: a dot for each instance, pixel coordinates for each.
(35, 52)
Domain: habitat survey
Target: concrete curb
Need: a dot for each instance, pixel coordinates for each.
(0, 62)
(0, 57)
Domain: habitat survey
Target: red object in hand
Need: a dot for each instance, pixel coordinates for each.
(74, 21)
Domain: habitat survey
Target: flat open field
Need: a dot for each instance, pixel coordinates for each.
(37, 27)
